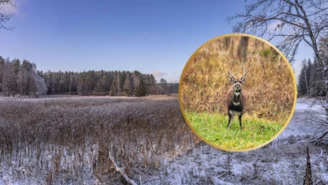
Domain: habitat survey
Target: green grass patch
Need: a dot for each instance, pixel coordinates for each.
(213, 127)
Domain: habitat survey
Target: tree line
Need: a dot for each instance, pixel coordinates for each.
(309, 81)
(22, 79)
(311, 78)
(114, 83)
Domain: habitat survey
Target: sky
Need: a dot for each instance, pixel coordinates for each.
(150, 36)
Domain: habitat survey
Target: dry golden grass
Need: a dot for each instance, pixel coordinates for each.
(269, 83)
(71, 138)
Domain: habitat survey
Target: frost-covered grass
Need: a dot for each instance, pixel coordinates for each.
(213, 127)
(282, 161)
(68, 140)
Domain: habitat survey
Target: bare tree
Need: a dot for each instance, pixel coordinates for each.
(292, 21)
(5, 15)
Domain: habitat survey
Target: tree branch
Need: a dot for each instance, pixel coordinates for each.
(121, 171)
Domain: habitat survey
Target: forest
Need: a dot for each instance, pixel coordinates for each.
(310, 79)
(23, 79)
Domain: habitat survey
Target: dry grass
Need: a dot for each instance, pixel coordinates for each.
(269, 82)
(67, 140)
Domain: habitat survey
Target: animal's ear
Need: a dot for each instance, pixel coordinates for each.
(232, 78)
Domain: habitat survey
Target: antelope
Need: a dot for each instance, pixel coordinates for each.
(236, 98)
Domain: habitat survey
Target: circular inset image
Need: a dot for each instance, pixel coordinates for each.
(237, 92)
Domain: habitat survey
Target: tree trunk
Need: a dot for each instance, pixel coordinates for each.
(306, 84)
(317, 55)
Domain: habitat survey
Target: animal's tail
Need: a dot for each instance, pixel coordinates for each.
(308, 172)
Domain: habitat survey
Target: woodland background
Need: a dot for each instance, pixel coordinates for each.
(310, 80)
(23, 79)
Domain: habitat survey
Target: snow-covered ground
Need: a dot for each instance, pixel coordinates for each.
(300, 125)
(280, 162)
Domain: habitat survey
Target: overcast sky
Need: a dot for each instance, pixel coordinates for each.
(149, 36)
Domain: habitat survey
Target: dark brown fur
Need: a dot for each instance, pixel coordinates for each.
(230, 96)
(233, 97)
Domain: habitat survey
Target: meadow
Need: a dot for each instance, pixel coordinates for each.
(81, 140)
(213, 128)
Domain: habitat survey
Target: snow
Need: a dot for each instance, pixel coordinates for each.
(280, 162)
(301, 106)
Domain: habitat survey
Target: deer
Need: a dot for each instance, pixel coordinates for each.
(236, 98)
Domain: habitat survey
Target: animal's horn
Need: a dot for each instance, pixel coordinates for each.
(244, 72)
(230, 73)
(243, 78)
(231, 76)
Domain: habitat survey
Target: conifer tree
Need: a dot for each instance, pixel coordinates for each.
(141, 90)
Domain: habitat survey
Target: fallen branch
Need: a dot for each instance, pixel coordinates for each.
(317, 140)
(121, 171)
(308, 172)
(150, 179)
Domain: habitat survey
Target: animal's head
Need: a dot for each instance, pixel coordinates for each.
(237, 82)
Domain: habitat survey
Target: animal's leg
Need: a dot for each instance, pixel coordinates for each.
(240, 121)
(230, 118)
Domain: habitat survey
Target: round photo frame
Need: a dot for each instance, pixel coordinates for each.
(239, 64)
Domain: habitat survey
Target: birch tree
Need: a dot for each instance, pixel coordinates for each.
(292, 22)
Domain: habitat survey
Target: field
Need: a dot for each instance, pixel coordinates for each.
(72, 139)
(213, 127)
(79, 140)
